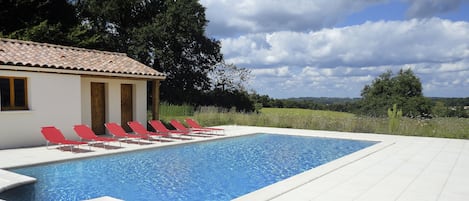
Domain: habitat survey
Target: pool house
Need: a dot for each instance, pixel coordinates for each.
(44, 84)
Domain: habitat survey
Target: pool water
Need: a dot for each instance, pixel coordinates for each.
(214, 170)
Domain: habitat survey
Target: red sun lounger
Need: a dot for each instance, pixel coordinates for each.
(118, 132)
(86, 133)
(161, 128)
(195, 125)
(138, 128)
(55, 136)
(180, 127)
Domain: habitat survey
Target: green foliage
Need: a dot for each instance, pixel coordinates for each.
(459, 112)
(265, 100)
(439, 110)
(257, 107)
(228, 99)
(322, 103)
(44, 21)
(168, 110)
(42, 32)
(404, 89)
(455, 107)
(394, 116)
(24, 14)
(451, 102)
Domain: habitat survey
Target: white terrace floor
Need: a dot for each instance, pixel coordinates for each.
(398, 168)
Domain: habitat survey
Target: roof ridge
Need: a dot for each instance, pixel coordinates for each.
(61, 46)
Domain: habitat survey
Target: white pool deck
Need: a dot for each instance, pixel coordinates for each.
(398, 168)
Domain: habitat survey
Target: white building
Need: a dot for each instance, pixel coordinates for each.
(51, 85)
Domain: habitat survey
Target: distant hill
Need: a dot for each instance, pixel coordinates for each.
(332, 100)
(324, 100)
(452, 101)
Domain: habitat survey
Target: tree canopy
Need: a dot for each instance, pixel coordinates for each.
(403, 89)
(44, 21)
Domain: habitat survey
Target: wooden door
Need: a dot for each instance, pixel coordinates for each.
(98, 108)
(126, 106)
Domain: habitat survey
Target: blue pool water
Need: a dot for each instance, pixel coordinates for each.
(215, 170)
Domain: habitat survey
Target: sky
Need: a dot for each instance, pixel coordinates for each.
(333, 48)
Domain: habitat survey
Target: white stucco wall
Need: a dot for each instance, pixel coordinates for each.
(63, 100)
(113, 98)
(54, 99)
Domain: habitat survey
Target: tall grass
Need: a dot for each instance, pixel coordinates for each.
(318, 120)
(335, 121)
(170, 110)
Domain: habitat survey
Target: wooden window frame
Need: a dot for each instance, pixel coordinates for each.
(12, 94)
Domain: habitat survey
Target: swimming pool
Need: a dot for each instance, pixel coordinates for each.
(215, 170)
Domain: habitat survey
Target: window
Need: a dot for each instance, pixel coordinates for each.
(13, 93)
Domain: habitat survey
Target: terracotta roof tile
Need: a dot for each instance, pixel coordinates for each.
(43, 55)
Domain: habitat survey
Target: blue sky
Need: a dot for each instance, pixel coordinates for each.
(324, 48)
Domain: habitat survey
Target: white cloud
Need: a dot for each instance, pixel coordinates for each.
(310, 71)
(370, 44)
(228, 18)
(429, 8)
(313, 81)
(444, 88)
(277, 72)
(453, 67)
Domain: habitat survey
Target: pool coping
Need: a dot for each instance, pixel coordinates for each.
(9, 180)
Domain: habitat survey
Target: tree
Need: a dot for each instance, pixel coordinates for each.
(265, 100)
(229, 77)
(183, 51)
(440, 110)
(20, 14)
(236, 99)
(228, 88)
(403, 89)
(44, 21)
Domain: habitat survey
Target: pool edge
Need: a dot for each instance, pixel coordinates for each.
(10, 180)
